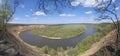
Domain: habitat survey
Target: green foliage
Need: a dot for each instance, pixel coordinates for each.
(5, 13)
(44, 49)
(53, 52)
(104, 28)
(86, 43)
(71, 51)
(62, 31)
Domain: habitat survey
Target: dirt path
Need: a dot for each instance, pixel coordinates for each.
(103, 42)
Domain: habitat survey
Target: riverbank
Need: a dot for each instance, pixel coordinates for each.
(60, 37)
(25, 48)
(52, 37)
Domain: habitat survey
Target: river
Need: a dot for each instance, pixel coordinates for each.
(28, 37)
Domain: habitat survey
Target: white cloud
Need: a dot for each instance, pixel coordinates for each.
(75, 3)
(85, 3)
(26, 15)
(88, 3)
(67, 15)
(88, 12)
(117, 8)
(0, 1)
(22, 6)
(39, 13)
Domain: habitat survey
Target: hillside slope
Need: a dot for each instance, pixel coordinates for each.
(16, 46)
(106, 41)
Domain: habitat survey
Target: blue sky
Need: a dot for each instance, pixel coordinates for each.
(82, 13)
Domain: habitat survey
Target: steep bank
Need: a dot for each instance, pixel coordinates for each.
(109, 38)
(24, 48)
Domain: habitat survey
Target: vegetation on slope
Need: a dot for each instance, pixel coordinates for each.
(82, 46)
(60, 31)
(86, 43)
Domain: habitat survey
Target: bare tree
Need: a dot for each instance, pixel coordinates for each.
(49, 6)
(108, 10)
(6, 12)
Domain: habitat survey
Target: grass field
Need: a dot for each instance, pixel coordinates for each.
(60, 31)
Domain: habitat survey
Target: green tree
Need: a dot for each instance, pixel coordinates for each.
(5, 13)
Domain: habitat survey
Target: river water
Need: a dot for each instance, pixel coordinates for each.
(28, 37)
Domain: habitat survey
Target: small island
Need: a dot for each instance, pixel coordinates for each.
(60, 31)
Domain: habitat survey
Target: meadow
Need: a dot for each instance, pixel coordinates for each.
(60, 31)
